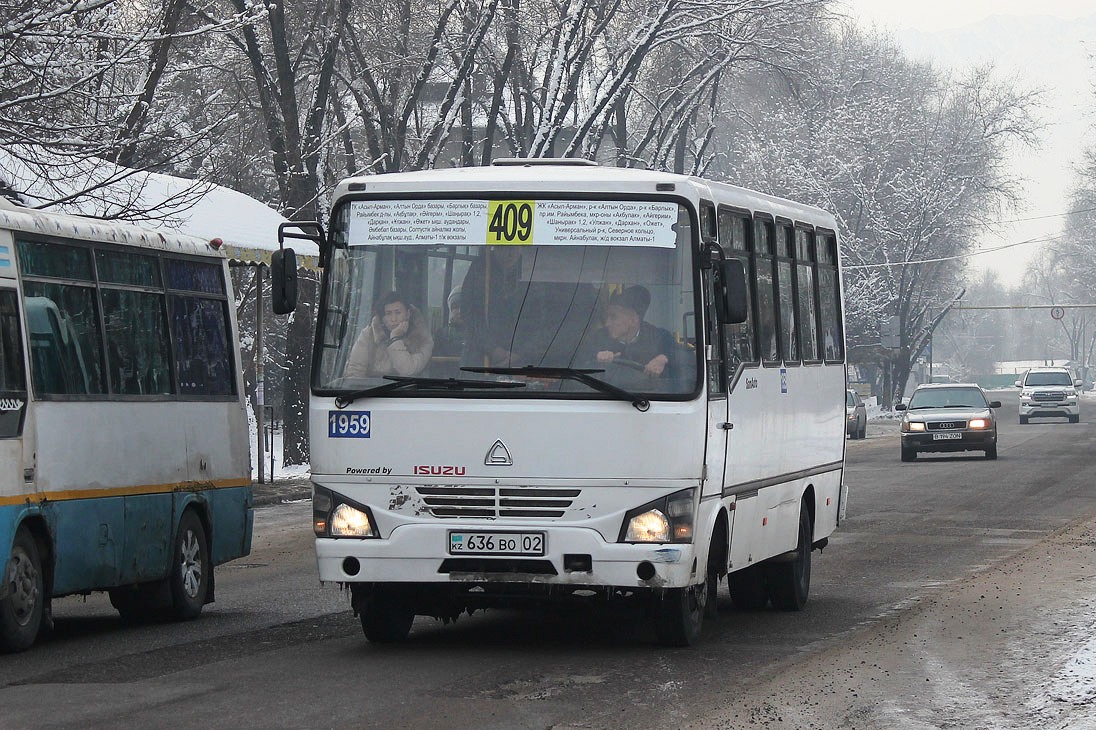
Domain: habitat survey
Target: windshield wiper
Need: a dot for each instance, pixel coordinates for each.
(400, 382)
(582, 375)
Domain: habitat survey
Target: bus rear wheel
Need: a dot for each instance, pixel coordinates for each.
(747, 587)
(22, 608)
(190, 568)
(790, 582)
(385, 617)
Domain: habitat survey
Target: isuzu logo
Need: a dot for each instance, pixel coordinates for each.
(498, 455)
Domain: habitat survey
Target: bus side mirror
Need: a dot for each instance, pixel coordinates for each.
(283, 281)
(731, 302)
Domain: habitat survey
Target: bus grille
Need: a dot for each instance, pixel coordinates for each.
(497, 502)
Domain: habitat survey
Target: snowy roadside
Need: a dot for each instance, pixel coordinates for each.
(280, 472)
(1010, 647)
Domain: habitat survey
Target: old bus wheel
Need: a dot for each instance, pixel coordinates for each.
(790, 582)
(386, 618)
(190, 568)
(21, 609)
(679, 616)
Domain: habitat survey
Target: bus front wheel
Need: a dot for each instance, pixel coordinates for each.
(385, 617)
(680, 615)
(22, 607)
(190, 568)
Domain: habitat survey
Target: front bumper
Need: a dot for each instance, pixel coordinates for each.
(1036, 409)
(417, 553)
(967, 441)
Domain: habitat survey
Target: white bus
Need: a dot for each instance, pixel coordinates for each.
(124, 450)
(634, 386)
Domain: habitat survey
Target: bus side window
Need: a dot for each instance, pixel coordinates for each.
(200, 329)
(13, 378)
(833, 341)
(735, 238)
(804, 275)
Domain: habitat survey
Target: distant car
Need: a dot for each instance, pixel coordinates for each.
(952, 417)
(856, 416)
(1049, 392)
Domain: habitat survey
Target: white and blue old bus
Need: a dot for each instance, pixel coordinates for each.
(625, 385)
(124, 450)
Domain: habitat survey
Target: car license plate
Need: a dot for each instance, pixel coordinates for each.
(496, 543)
(946, 436)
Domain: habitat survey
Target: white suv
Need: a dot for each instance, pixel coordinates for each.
(1048, 392)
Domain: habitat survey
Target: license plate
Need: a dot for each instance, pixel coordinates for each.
(946, 436)
(496, 543)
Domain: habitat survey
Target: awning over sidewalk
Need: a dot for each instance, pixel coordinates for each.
(97, 189)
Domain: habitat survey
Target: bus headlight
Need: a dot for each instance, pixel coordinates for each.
(651, 526)
(669, 519)
(336, 516)
(347, 521)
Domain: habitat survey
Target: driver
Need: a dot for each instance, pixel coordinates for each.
(629, 341)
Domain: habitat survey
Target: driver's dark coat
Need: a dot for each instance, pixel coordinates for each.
(649, 343)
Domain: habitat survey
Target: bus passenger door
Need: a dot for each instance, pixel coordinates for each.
(13, 400)
(716, 373)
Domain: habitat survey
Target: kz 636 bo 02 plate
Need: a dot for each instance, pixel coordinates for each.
(465, 542)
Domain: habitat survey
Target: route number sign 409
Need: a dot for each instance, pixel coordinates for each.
(510, 222)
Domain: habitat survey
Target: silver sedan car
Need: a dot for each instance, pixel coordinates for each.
(856, 415)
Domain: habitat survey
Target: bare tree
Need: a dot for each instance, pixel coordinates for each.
(912, 162)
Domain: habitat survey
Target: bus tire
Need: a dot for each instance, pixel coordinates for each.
(789, 582)
(190, 568)
(747, 587)
(386, 619)
(679, 615)
(22, 608)
(126, 600)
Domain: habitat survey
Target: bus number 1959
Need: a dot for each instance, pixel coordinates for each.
(348, 424)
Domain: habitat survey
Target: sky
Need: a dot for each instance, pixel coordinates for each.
(1049, 44)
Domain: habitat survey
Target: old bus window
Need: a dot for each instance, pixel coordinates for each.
(13, 381)
(39, 258)
(734, 239)
(138, 362)
(769, 350)
(829, 298)
(804, 272)
(203, 353)
(63, 332)
(194, 276)
(116, 267)
(788, 337)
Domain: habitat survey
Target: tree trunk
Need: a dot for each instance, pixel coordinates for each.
(295, 446)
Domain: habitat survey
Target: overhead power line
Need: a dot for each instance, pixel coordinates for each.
(969, 254)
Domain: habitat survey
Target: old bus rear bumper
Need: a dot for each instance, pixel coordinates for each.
(418, 553)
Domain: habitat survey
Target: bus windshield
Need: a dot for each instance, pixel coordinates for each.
(427, 289)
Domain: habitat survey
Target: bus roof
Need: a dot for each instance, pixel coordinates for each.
(63, 225)
(544, 176)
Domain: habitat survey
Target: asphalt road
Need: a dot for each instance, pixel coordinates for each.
(277, 649)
